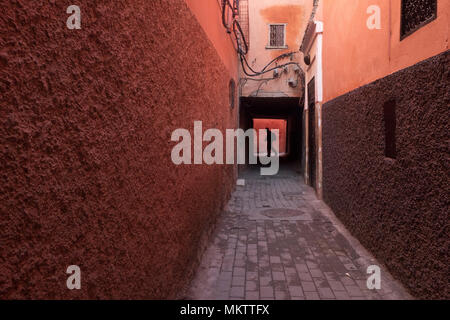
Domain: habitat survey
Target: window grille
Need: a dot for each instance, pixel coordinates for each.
(244, 19)
(416, 14)
(277, 35)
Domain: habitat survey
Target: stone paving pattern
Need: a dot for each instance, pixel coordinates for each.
(275, 240)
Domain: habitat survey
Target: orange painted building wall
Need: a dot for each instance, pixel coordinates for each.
(293, 13)
(355, 56)
(209, 15)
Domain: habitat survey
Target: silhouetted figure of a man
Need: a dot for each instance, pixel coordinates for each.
(270, 139)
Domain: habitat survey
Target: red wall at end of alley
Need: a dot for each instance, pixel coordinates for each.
(273, 124)
(86, 171)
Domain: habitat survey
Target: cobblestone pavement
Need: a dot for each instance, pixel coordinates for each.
(275, 240)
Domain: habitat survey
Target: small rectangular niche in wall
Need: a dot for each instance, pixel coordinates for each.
(390, 124)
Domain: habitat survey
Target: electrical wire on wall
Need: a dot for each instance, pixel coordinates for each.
(226, 7)
(232, 10)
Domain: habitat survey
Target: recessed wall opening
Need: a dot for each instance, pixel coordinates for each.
(390, 124)
(232, 92)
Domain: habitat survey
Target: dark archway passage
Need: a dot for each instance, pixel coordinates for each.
(281, 108)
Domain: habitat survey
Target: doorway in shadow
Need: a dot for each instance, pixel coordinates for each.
(282, 113)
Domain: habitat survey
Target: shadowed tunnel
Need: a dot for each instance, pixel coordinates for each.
(280, 108)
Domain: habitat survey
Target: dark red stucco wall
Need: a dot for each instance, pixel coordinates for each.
(86, 176)
(397, 208)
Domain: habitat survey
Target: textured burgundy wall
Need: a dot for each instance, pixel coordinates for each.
(86, 119)
(397, 208)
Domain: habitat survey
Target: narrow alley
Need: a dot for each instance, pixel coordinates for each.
(275, 240)
(225, 149)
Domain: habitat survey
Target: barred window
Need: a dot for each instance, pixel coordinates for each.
(416, 14)
(277, 35)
